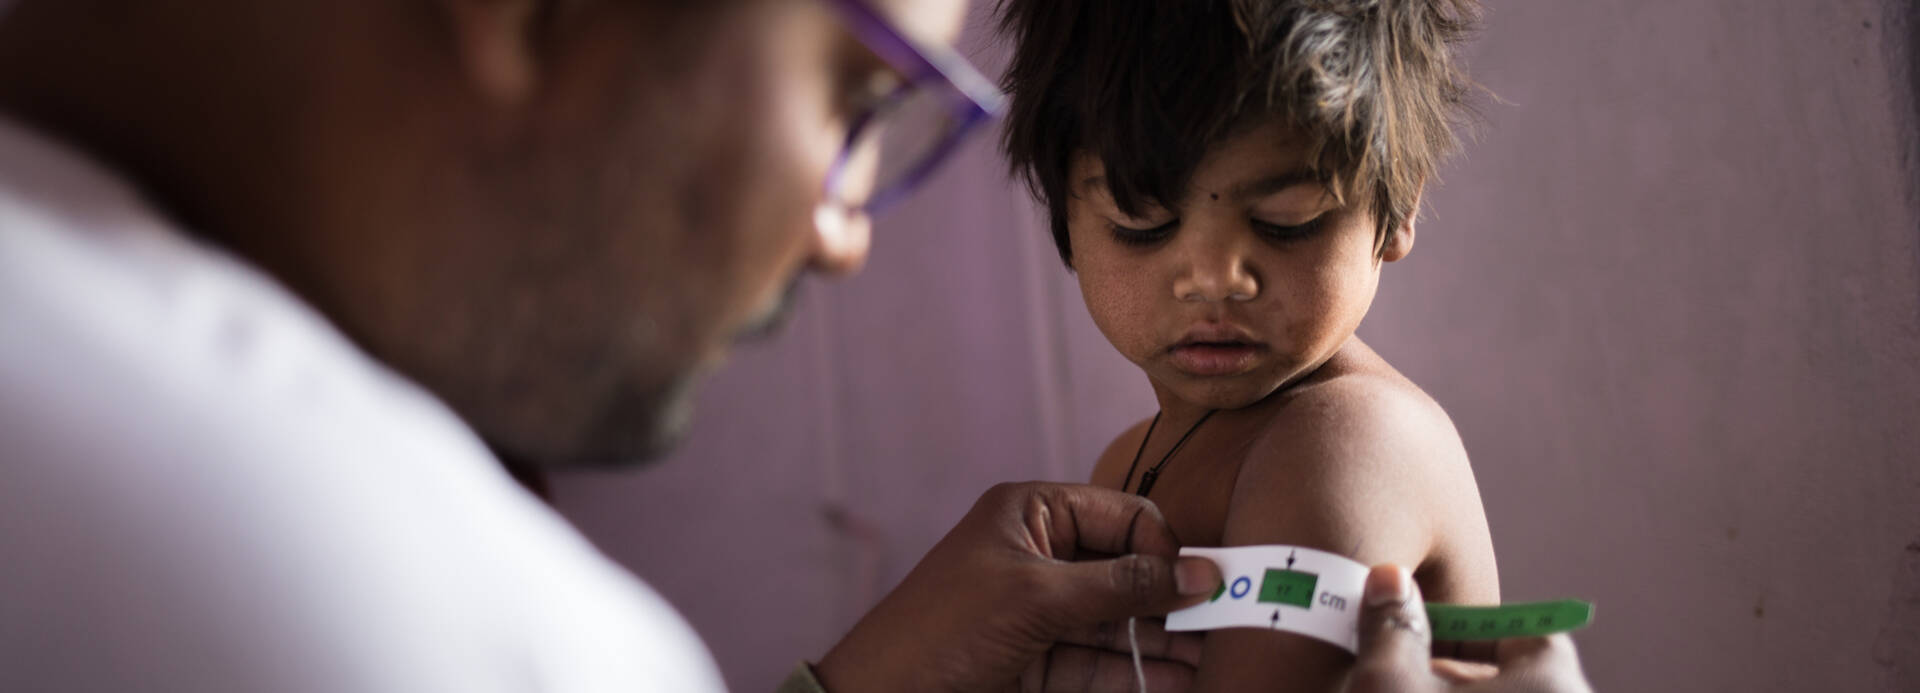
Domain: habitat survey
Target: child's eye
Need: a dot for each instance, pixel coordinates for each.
(1141, 237)
(1287, 233)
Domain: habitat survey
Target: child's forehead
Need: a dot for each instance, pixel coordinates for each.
(1259, 159)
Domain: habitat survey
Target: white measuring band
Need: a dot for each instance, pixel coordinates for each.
(1288, 588)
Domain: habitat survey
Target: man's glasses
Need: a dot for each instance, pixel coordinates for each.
(900, 140)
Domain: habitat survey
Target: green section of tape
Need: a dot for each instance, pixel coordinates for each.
(1288, 587)
(1452, 622)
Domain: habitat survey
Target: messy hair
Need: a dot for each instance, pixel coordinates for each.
(1149, 86)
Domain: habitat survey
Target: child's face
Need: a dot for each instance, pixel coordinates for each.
(1253, 280)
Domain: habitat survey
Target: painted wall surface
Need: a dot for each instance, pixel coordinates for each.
(1671, 298)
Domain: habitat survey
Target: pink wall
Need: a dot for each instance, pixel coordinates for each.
(1671, 299)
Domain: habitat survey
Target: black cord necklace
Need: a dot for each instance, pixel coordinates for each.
(1153, 473)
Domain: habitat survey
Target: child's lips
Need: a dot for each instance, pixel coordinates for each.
(1214, 358)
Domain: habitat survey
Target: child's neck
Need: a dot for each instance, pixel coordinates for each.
(1177, 414)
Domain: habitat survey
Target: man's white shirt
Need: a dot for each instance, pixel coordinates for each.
(205, 487)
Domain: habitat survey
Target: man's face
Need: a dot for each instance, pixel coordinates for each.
(562, 256)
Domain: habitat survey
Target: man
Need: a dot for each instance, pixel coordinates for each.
(281, 281)
(1396, 647)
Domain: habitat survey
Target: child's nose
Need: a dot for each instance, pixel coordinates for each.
(1217, 272)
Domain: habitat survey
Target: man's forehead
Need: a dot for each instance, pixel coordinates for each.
(932, 21)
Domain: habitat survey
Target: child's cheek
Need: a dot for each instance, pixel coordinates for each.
(1120, 305)
(1336, 290)
(1121, 288)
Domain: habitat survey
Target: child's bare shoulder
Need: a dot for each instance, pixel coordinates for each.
(1360, 412)
(1360, 461)
(1111, 469)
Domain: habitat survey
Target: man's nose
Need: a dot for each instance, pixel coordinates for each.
(841, 239)
(1215, 269)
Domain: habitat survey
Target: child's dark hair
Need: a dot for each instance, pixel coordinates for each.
(1148, 86)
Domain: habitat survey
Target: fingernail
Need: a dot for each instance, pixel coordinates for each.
(1388, 584)
(1195, 576)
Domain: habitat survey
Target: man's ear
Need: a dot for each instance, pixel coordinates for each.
(496, 44)
(1399, 240)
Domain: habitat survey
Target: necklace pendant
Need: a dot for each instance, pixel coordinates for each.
(1146, 482)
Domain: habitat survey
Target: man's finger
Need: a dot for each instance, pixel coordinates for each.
(1074, 518)
(1089, 592)
(1480, 651)
(1549, 663)
(1071, 669)
(1457, 672)
(1395, 639)
(1529, 651)
(1155, 641)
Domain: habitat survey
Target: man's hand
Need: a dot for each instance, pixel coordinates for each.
(1101, 659)
(990, 599)
(1397, 653)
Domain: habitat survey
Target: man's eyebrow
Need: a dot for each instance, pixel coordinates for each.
(1273, 184)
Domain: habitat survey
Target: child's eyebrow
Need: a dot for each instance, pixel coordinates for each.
(1273, 184)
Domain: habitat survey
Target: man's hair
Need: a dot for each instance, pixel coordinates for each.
(1149, 86)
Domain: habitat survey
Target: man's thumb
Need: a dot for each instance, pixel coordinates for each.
(1135, 585)
(1394, 636)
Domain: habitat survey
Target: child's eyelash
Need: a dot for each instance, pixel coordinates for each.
(1288, 233)
(1143, 237)
(1150, 236)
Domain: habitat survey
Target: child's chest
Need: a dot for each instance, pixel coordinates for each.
(1193, 490)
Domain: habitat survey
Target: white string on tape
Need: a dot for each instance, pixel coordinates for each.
(1133, 641)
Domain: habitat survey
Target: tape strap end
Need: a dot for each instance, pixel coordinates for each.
(1532, 619)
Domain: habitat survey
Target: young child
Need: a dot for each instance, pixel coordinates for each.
(1227, 178)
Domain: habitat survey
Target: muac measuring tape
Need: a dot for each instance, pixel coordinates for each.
(1318, 594)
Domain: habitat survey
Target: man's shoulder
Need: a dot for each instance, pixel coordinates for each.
(204, 486)
(122, 332)
(222, 489)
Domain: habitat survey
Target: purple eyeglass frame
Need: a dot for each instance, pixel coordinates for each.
(972, 98)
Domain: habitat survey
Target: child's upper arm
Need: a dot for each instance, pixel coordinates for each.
(1357, 467)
